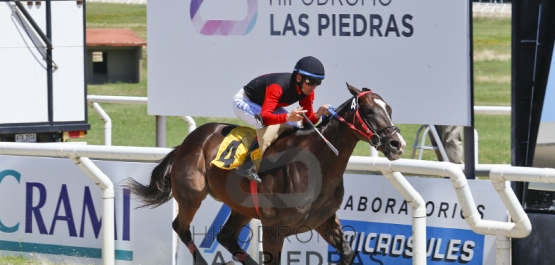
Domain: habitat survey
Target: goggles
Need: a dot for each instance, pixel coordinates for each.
(312, 81)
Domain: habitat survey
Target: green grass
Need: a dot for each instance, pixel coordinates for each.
(107, 15)
(494, 135)
(21, 260)
(15, 260)
(492, 34)
(500, 71)
(133, 127)
(492, 94)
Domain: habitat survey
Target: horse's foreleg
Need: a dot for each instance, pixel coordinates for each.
(332, 232)
(229, 235)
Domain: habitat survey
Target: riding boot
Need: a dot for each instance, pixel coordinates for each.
(247, 168)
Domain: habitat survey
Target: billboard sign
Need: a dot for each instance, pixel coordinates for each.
(410, 52)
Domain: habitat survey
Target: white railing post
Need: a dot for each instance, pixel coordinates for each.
(93, 101)
(107, 122)
(476, 147)
(415, 200)
(502, 250)
(192, 125)
(108, 195)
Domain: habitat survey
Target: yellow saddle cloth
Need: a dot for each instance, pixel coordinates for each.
(233, 149)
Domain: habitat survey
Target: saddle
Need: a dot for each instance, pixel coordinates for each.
(234, 148)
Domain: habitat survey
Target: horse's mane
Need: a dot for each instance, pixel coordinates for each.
(338, 109)
(341, 107)
(306, 129)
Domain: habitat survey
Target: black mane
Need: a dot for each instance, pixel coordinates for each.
(307, 128)
(338, 109)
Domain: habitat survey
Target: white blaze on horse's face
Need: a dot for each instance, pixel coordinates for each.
(382, 104)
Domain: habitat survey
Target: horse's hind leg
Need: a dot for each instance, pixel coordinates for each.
(189, 194)
(332, 232)
(181, 225)
(229, 235)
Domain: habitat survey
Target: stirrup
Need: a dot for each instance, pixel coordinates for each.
(248, 171)
(255, 177)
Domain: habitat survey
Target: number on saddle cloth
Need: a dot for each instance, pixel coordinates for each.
(234, 148)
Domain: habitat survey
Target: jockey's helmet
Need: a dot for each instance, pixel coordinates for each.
(310, 67)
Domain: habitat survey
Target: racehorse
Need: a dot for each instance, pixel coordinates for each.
(302, 179)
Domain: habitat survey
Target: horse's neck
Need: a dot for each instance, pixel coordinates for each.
(342, 138)
(339, 131)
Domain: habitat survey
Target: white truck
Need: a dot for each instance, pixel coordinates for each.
(42, 71)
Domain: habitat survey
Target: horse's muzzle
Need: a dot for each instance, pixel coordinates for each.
(394, 148)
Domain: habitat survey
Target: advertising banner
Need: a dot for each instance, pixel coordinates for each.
(51, 210)
(378, 224)
(410, 52)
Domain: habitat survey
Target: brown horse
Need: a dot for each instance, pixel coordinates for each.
(302, 179)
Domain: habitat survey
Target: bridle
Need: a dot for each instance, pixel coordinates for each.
(367, 132)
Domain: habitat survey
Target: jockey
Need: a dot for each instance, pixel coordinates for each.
(261, 104)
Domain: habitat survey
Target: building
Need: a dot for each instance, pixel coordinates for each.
(113, 55)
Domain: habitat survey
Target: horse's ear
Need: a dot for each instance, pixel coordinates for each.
(366, 89)
(353, 89)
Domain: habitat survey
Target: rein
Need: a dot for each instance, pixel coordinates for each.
(366, 131)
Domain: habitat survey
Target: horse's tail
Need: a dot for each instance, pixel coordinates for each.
(159, 191)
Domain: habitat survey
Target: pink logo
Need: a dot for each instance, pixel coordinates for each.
(224, 27)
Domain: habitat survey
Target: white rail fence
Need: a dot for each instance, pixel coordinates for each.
(500, 175)
(492, 10)
(94, 100)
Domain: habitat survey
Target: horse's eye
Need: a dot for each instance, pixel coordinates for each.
(367, 111)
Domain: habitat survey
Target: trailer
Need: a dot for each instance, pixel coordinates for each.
(42, 72)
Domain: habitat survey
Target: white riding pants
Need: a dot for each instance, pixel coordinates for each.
(245, 110)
